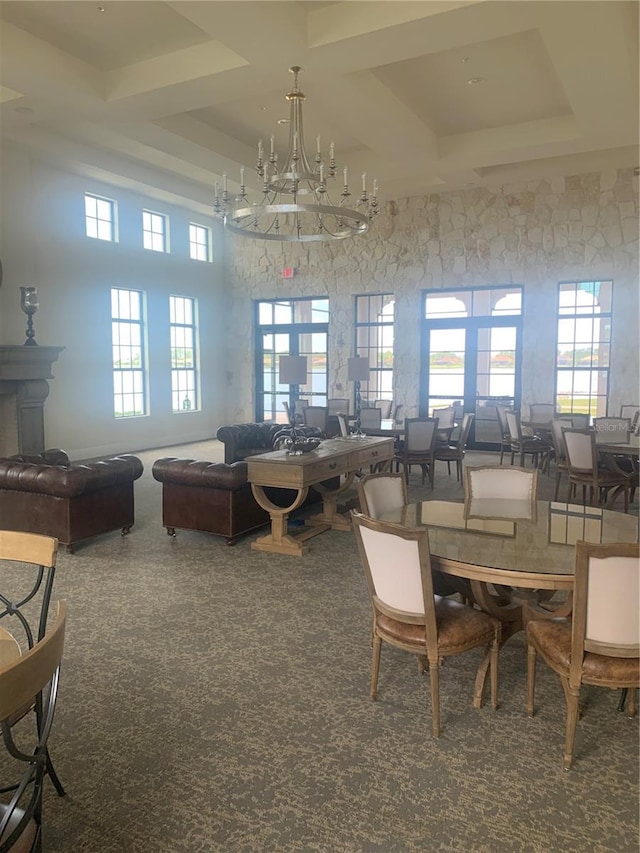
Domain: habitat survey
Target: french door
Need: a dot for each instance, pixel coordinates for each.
(310, 342)
(473, 365)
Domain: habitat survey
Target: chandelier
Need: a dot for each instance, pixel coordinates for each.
(296, 204)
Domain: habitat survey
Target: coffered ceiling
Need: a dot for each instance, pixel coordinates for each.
(424, 96)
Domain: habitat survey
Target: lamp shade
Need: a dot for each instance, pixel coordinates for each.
(358, 369)
(292, 370)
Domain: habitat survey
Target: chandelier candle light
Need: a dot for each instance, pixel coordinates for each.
(296, 205)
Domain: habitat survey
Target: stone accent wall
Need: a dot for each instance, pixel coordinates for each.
(536, 234)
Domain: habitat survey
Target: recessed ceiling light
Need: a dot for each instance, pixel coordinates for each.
(283, 121)
(465, 59)
(100, 9)
(263, 108)
(474, 80)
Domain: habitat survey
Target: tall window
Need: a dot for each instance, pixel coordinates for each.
(99, 214)
(129, 370)
(584, 344)
(182, 317)
(374, 341)
(199, 242)
(154, 231)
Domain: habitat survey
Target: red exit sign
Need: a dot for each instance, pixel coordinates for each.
(287, 272)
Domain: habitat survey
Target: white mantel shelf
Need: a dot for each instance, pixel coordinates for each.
(25, 362)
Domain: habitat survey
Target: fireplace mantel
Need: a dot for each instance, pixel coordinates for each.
(24, 371)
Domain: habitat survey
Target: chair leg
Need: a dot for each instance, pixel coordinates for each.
(572, 696)
(631, 702)
(375, 667)
(434, 679)
(495, 648)
(57, 784)
(531, 679)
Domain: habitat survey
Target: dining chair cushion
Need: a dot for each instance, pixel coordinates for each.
(555, 638)
(459, 627)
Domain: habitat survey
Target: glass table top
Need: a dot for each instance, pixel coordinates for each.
(542, 544)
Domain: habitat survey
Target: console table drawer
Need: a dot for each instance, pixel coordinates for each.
(370, 455)
(323, 469)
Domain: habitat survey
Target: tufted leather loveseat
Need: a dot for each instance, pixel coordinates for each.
(50, 495)
(213, 497)
(243, 440)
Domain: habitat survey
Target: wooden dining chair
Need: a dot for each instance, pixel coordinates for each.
(630, 410)
(338, 405)
(505, 435)
(559, 450)
(579, 420)
(446, 423)
(407, 615)
(381, 492)
(612, 430)
(316, 416)
(493, 491)
(29, 680)
(343, 425)
(27, 572)
(601, 644)
(370, 418)
(384, 406)
(418, 447)
(541, 412)
(524, 445)
(456, 452)
(587, 471)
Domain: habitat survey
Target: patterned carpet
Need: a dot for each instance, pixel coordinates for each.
(216, 699)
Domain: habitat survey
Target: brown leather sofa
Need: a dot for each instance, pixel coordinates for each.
(213, 497)
(243, 440)
(48, 494)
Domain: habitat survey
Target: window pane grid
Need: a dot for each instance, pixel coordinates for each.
(154, 230)
(199, 242)
(129, 370)
(583, 346)
(374, 341)
(99, 217)
(182, 332)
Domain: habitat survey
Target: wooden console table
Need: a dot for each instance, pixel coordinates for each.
(335, 457)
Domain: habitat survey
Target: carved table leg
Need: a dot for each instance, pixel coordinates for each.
(279, 541)
(330, 515)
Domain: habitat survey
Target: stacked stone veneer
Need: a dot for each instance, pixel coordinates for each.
(535, 234)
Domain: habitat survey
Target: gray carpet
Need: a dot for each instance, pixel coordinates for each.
(216, 699)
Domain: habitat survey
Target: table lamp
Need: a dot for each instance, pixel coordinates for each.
(292, 371)
(357, 372)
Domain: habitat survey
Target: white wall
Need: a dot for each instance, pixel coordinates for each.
(44, 245)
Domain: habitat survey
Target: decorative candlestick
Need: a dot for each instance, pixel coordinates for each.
(29, 304)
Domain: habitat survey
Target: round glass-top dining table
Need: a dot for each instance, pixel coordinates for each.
(512, 553)
(486, 543)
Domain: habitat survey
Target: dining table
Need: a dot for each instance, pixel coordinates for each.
(631, 447)
(512, 554)
(388, 427)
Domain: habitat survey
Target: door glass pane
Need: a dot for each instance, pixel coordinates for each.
(446, 366)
